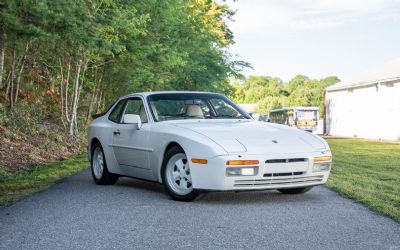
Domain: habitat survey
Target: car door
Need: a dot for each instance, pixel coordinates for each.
(130, 144)
(107, 135)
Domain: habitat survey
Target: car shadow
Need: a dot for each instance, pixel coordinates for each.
(229, 197)
(140, 184)
(254, 197)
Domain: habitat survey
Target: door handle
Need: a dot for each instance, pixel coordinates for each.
(116, 132)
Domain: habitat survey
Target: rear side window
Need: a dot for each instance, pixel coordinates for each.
(116, 113)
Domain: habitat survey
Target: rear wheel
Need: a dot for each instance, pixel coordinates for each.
(100, 173)
(295, 190)
(176, 175)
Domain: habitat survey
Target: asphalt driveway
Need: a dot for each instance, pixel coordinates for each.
(77, 214)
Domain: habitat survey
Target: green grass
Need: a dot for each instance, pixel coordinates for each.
(367, 172)
(14, 186)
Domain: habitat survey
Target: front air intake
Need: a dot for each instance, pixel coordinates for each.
(290, 160)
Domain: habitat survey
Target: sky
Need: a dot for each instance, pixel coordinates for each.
(316, 38)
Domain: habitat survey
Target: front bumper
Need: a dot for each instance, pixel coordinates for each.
(274, 172)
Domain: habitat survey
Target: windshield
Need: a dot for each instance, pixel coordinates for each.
(178, 106)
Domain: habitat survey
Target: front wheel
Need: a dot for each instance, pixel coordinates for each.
(295, 190)
(176, 175)
(100, 173)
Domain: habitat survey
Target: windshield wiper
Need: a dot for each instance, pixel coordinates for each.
(229, 116)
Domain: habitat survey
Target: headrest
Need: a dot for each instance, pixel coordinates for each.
(194, 111)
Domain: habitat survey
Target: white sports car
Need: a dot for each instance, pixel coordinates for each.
(197, 141)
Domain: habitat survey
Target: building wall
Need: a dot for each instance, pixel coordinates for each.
(369, 112)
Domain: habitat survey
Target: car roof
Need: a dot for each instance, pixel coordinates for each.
(145, 94)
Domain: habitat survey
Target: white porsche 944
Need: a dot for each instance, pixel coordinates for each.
(193, 142)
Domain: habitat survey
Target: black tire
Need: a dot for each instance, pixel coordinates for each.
(295, 190)
(188, 197)
(107, 178)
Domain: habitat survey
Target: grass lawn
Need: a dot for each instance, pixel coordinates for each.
(367, 172)
(14, 186)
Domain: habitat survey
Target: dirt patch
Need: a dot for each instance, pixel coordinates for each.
(51, 143)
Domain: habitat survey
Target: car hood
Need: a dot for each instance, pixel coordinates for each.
(253, 137)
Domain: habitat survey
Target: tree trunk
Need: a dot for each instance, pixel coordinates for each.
(77, 104)
(72, 122)
(2, 53)
(99, 101)
(8, 86)
(12, 77)
(103, 102)
(66, 90)
(20, 73)
(92, 99)
(61, 92)
(85, 65)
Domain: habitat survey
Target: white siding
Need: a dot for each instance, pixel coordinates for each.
(369, 112)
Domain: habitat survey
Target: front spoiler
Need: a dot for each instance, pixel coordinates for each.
(246, 190)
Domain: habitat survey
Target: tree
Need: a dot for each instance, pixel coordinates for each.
(270, 93)
(81, 54)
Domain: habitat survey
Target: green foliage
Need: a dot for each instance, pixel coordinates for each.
(269, 103)
(271, 93)
(123, 46)
(368, 172)
(307, 92)
(238, 93)
(67, 59)
(182, 48)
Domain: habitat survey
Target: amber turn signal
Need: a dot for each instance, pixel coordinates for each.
(322, 158)
(241, 162)
(199, 161)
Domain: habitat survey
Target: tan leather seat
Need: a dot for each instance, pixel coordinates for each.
(194, 111)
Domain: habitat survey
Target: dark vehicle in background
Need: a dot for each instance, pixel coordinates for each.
(264, 118)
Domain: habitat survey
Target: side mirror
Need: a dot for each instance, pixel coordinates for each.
(132, 119)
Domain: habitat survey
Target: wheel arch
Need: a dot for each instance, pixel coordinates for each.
(169, 145)
(93, 141)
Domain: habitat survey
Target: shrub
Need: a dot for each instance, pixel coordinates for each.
(3, 114)
(25, 118)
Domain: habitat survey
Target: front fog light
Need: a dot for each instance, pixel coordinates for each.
(241, 171)
(318, 167)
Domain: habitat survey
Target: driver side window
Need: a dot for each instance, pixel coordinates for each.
(135, 106)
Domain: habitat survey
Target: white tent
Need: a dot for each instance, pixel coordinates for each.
(248, 107)
(367, 105)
